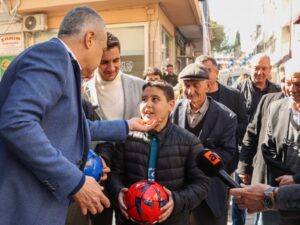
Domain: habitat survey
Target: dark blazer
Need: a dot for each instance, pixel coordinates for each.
(251, 155)
(44, 135)
(218, 134)
(288, 203)
(279, 158)
(234, 100)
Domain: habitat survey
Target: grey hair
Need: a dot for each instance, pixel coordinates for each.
(256, 58)
(77, 20)
(204, 58)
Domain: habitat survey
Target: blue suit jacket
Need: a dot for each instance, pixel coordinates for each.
(43, 135)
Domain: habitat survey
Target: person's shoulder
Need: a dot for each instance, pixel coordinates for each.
(134, 79)
(284, 102)
(137, 136)
(52, 49)
(243, 83)
(273, 87)
(52, 43)
(229, 89)
(272, 96)
(183, 136)
(180, 102)
(225, 111)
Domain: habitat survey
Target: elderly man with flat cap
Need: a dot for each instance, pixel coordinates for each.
(215, 125)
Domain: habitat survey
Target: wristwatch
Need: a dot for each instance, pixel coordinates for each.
(270, 198)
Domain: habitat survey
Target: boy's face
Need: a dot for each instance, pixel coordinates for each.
(154, 105)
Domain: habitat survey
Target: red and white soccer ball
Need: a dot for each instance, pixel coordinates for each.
(144, 201)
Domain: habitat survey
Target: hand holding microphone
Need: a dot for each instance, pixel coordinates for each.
(210, 163)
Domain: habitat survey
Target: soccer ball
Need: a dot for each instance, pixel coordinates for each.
(93, 166)
(144, 200)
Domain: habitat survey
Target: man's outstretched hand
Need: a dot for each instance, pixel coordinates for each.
(137, 124)
(91, 197)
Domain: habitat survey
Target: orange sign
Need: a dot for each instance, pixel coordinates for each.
(212, 157)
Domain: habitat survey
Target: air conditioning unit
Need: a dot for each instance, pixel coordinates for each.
(36, 22)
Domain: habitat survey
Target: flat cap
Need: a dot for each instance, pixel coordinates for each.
(194, 71)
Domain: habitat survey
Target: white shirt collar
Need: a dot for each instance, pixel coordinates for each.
(70, 51)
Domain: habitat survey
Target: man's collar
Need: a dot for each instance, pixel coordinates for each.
(200, 110)
(265, 86)
(161, 134)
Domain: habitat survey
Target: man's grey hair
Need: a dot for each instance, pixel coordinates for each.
(77, 20)
(204, 58)
(256, 58)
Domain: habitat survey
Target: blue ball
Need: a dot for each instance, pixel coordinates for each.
(93, 166)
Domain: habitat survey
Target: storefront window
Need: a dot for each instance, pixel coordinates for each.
(132, 39)
(165, 47)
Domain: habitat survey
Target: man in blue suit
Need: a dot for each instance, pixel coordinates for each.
(44, 135)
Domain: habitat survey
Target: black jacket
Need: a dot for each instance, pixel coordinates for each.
(288, 203)
(175, 169)
(253, 94)
(234, 100)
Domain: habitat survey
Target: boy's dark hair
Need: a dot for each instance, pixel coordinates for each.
(169, 65)
(152, 70)
(162, 85)
(112, 41)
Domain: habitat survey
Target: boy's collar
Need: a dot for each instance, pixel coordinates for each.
(160, 134)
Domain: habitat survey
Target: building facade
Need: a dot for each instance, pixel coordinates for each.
(151, 32)
(278, 33)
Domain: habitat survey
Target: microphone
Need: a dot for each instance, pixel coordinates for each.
(210, 163)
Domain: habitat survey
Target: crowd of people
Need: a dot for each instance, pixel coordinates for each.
(57, 101)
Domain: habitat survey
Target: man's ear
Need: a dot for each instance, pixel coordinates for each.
(171, 105)
(89, 39)
(209, 84)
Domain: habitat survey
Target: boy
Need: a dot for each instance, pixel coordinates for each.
(175, 167)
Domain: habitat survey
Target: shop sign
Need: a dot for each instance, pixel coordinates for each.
(11, 44)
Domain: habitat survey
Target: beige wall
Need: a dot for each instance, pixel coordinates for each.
(152, 15)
